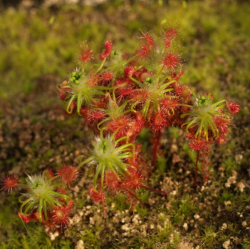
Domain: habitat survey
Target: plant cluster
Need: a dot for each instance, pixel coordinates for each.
(117, 97)
(123, 94)
(45, 199)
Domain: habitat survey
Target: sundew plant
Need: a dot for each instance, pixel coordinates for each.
(116, 95)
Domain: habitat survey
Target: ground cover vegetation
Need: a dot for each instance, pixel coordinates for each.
(151, 198)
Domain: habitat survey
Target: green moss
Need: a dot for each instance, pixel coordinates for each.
(174, 132)
(143, 212)
(143, 195)
(191, 153)
(246, 244)
(90, 239)
(161, 164)
(209, 237)
(230, 165)
(227, 196)
(34, 165)
(143, 138)
(182, 209)
(120, 202)
(175, 241)
(186, 206)
(48, 154)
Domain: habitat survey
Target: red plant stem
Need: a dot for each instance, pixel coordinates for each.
(155, 147)
(155, 190)
(149, 167)
(196, 168)
(103, 207)
(136, 198)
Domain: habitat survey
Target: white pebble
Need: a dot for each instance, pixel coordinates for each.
(185, 226)
(226, 244)
(224, 226)
(196, 216)
(241, 186)
(244, 223)
(79, 244)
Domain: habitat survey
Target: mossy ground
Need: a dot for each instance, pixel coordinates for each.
(38, 50)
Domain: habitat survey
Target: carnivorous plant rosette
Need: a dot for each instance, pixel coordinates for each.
(41, 196)
(207, 122)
